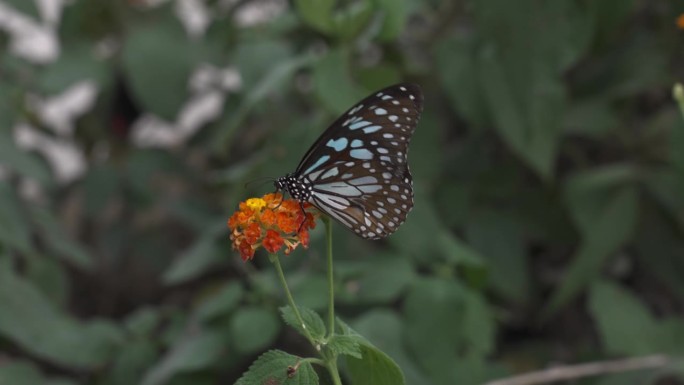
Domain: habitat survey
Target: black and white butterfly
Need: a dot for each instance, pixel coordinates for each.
(357, 171)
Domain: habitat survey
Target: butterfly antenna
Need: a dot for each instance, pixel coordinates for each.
(262, 180)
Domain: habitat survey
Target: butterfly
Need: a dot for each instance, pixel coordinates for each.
(357, 171)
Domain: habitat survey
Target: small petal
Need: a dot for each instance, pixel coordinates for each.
(255, 204)
(273, 241)
(253, 233)
(304, 238)
(246, 251)
(268, 218)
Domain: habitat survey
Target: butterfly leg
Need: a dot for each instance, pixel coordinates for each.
(301, 206)
(282, 198)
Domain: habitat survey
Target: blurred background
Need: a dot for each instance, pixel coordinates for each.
(548, 166)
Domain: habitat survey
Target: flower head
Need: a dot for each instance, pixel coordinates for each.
(271, 222)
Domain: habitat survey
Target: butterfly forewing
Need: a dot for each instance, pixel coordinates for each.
(357, 171)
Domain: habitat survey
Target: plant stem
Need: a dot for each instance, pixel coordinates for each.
(331, 281)
(334, 372)
(276, 262)
(316, 361)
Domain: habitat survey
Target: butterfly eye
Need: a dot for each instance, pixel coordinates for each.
(357, 171)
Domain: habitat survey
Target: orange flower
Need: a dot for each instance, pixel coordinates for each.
(271, 222)
(680, 21)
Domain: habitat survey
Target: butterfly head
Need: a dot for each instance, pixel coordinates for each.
(299, 189)
(280, 183)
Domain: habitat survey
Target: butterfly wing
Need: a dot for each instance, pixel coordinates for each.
(358, 168)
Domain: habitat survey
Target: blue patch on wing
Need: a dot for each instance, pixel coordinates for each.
(318, 163)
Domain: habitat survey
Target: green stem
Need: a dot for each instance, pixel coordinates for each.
(331, 281)
(678, 93)
(312, 360)
(276, 262)
(334, 372)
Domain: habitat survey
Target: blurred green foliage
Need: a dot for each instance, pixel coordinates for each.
(548, 167)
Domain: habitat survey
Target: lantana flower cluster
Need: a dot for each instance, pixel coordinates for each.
(270, 222)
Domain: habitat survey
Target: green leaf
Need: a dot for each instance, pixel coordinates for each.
(677, 141)
(423, 154)
(75, 64)
(394, 16)
(202, 255)
(255, 59)
(27, 373)
(620, 317)
(312, 321)
(56, 239)
(666, 184)
(50, 277)
(434, 313)
(33, 323)
(273, 81)
(500, 239)
(345, 345)
(593, 118)
(101, 184)
(380, 279)
(21, 161)
(429, 238)
(607, 17)
(158, 60)
(318, 14)
(458, 68)
(530, 127)
(130, 365)
(8, 112)
(479, 328)
(307, 288)
(221, 302)
(20, 373)
(379, 76)
(610, 231)
(374, 368)
(444, 323)
(27, 7)
(274, 366)
(14, 228)
(192, 352)
(386, 330)
(351, 20)
(659, 247)
(332, 73)
(253, 329)
(588, 193)
(143, 321)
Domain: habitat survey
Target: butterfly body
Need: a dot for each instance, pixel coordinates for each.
(357, 171)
